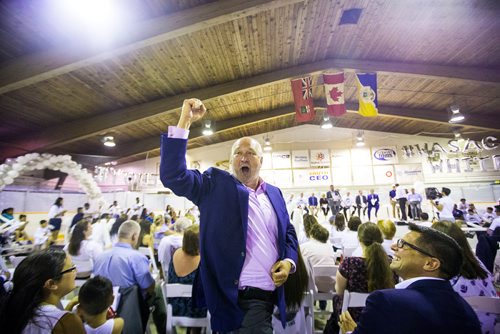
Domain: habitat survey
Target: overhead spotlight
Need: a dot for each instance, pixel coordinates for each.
(456, 116)
(109, 141)
(267, 144)
(360, 140)
(207, 128)
(326, 123)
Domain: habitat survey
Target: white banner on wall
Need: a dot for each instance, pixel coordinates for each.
(282, 159)
(267, 161)
(341, 158)
(362, 175)
(283, 178)
(311, 177)
(342, 176)
(320, 158)
(384, 155)
(384, 174)
(409, 173)
(267, 176)
(300, 159)
(361, 156)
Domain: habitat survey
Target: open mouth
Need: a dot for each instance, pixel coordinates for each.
(245, 169)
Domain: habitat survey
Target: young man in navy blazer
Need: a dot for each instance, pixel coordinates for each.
(248, 246)
(425, 301)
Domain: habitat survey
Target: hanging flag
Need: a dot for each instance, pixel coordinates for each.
(367, 94)
(334, 91)
(303, 98)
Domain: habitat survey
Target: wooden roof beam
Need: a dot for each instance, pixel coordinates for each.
(31, 69)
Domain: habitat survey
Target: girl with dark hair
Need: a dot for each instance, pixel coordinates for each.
(55, 217)
(83, 251)
(367, 273)
(40, 281)
(474, 279)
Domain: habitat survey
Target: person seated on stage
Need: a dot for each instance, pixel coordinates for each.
(474, 279)
(43, 236)
(39, 283)
(366, 273)
(424, 302)
(83, 250)
(170, 243)
(182, 270)
(388, 229)
(95, 297)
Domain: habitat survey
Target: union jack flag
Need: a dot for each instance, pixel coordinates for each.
(307, 88)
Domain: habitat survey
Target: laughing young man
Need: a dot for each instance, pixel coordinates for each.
(248, 246)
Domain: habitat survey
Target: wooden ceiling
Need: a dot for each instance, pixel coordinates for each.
(61, 91)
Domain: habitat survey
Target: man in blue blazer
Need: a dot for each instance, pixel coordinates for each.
(425, 301)
(373, 202)
(248, 246)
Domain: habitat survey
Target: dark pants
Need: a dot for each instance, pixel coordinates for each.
(359, 211)
(258, 310)
(370, 207)
(402, 206)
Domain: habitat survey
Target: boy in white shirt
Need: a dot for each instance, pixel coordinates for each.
(43, 234)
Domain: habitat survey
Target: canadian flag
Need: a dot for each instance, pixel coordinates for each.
(334, 92)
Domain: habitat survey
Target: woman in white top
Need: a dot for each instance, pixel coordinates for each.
(55, 217)
(388, 229)
(40, 281)
(318, 251)
(83, 250)
(338, 231)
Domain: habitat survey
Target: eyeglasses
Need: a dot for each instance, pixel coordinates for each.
(401, 243)
(73, 268)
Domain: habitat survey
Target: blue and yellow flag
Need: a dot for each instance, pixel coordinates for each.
(367, 94)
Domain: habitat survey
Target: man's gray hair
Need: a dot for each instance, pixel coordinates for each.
(128, 228)
(181, 224)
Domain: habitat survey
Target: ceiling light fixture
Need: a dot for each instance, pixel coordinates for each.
(267, 144)
(207, 128)
(326, 123)
(456, 115)
(108, 141)
(360, 140)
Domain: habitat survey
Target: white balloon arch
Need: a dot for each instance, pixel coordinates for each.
(12, 169)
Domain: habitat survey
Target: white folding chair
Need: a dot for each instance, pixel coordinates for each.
(308, 305)
(353, 299)
(321, 271)
(15, 260)
(183, 291)
(149, 253)
(484, 304)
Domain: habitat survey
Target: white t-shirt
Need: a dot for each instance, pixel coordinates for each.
(166, 248)
(318, 253)
(447, 210)
(495, 224)
(100, 233)
(54, 211)
(84, 261)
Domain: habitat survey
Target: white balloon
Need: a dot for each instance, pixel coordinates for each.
(13, 174)
(8, 180)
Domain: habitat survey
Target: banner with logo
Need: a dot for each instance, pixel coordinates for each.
(282, 159)
(342, 176)
(320, 158)
(384, 155)
(300, 159)
(384, 174)
(311, 177)
(409, 173)
(341, 158)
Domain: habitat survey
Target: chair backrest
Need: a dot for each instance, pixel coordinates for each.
(484, 304)
(347, 251)
(149, 253)
(183, 291)
(321, 270)
(354, 299)
(15, 260)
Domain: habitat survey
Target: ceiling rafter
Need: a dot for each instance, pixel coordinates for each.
(83, 128)
(31, 69)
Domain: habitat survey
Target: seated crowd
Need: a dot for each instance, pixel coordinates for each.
(416, 283)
